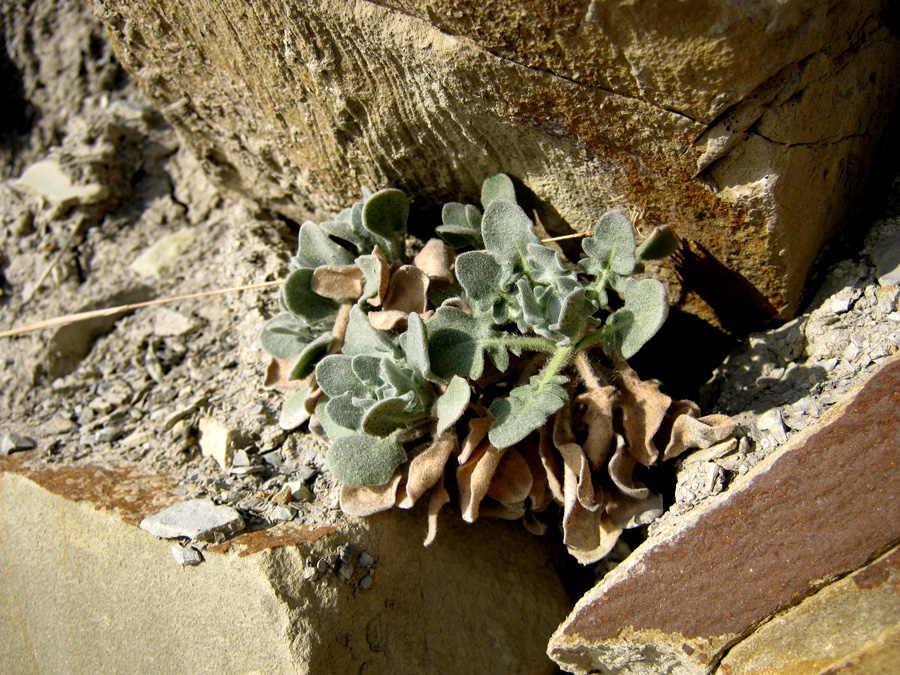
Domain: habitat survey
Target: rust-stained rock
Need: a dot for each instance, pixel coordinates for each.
(83, 592)
(820, 507)
(750, 128)
(838, 630)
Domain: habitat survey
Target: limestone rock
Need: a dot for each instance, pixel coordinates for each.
(47, 179)
(163, 254)
(216, 441)
(483, 598)
(194, 519)
(750, 128)
(818, 508)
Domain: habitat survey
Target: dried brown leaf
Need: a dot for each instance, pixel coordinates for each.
(408, 290)
(607, 536)
(539, 495)
(393, 320)
(439, 497)
(598, 416)
(365, 501)
(478, 430)
(621, 470)
(278, 376)
(692, 433)
(436, 260)
(512, 480)
(552, 466)
(341, 283)
(575, 463)
(503, 511)
(643, 407)
(426, 469)
(533, 524)
(384, 271)
(599, 402)
(626, 512)
(474, 479)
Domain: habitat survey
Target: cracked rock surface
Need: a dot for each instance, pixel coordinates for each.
(751, 129)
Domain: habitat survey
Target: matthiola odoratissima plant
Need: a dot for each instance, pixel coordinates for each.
(504, 357)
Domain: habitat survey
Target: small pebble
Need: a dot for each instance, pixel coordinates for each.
(186, 555)
(365, 559)
(13, 442)
(365, 583)
(282, 513)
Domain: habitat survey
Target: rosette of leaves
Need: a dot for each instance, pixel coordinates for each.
(518, 280)
(354, 249)
(508, 358)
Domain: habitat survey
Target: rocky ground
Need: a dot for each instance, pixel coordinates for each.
(101, 206)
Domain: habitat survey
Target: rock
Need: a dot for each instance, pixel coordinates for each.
(158, 258)
(186, 555)
(59, 425)
(282, 513)
(194, 519)
(284, 496)
(820, 507)
(69, 344)
(773, 422)
(299, 491)
(168, 323)
(216, 441)
(843, 620)
(887, 261)
(417, 616)
(13, 442)
(754, 154)
(47, 179)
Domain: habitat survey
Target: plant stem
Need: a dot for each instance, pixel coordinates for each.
(556, 363)
(591, 339)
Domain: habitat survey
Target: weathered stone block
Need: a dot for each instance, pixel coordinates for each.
(822, 506)
(751, 128)
(81, 591)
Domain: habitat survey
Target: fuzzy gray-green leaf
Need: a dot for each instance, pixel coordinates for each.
(452, 403)
(612, 244)
(345, 413)
(661, 243)
(526, 409)
(461, 225)
(310, 355)
(507, 232)
(293, 412)
(316, 248)
(284, 336)
(332, 427)
(300, 299)
(644, 312)
(362, 338)
(575, 317)
(497, 186)
(385, 214)
(335, 376)
(359, 460)
(390, 415)
(481, 277)
(414, 344)
(457, 343)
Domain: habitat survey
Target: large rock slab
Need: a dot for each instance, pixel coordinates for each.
(751, 128)
(83, 590)
(822, 506)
